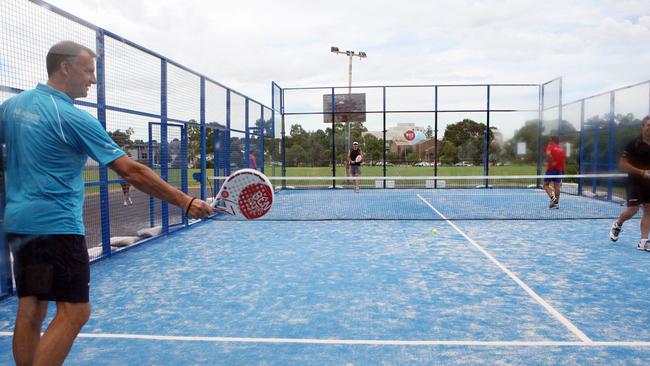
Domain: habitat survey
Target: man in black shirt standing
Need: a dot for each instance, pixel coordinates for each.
(355, 156)
(635, 161)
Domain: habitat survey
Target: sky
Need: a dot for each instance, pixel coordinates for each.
(594, 45)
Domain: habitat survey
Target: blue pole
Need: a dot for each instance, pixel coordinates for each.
(486, 141)
(581, 158)
(262, 138)
(611, 149)
(273, 157)
(383, 141)
(152, 202)
(226, 146)
(185, 161)
(5, 266)
(163, 140)
(247, 140)
(539, 134)
(103, 170)
(204, 137)
(595, 158)
(283, 132)
(435, 137)
(332, 106)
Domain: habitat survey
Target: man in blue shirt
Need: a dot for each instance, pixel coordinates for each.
(48, 141)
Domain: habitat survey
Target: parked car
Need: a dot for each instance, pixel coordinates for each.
(423, 163)
(381, 163)
(463, 163)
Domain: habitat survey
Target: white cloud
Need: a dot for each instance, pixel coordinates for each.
(246, 44)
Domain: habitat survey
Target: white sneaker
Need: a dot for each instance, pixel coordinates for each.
(125, 204)
(130, 202)
(644, 244)
(614, 231)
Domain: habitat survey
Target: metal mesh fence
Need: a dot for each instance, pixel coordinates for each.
(161, 113)
(187, 127)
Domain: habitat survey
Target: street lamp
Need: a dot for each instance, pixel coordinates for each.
(350, 55)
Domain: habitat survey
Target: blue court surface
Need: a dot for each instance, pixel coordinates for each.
(370, 292)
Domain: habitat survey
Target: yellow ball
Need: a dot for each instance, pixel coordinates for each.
(434, 231)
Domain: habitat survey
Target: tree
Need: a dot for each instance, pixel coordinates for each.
(529, 134)
(122, 138)
(469, 135)
(448, 152)
(373, 148)
(295, 155)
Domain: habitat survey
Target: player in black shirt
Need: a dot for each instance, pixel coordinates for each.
(355, 156)
(635, 160)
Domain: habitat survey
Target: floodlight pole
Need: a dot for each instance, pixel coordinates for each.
(350, 55)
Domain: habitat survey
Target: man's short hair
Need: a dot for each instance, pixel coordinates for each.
(64, 51)
(553, 139)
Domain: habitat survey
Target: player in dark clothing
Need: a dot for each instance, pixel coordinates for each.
(555, 157)
(355, 156)
(635, 160)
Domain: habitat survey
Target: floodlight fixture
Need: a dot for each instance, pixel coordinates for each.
(350, 55)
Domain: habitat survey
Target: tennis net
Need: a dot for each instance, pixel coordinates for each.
(519, 197)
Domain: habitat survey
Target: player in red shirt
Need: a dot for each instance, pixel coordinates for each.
(555, 157)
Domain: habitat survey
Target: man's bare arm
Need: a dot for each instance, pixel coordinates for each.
(627, 167)
(149, 182)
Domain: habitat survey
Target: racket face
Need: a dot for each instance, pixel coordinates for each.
(248, 193)
(358, 159)
(255, 200)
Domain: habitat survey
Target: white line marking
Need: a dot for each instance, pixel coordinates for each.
(370, 342)
(577, 332)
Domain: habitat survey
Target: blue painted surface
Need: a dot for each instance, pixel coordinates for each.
(367, 280)
(453, 203)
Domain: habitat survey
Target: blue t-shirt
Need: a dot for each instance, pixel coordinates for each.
(48, 142)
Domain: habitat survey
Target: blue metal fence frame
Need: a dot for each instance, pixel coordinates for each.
(102, 107)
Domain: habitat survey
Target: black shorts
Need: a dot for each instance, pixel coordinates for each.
(51, 267)
(355, 169)
(637, 193)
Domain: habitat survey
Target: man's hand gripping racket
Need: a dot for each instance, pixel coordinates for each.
(247, 193)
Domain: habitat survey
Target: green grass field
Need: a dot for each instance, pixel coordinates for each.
(92, 175)
(407, 170)
(174, 175)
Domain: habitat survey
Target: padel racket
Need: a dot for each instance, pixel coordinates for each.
(247, 193)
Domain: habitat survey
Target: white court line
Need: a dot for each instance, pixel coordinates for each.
(577, 332)
(369, 342)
